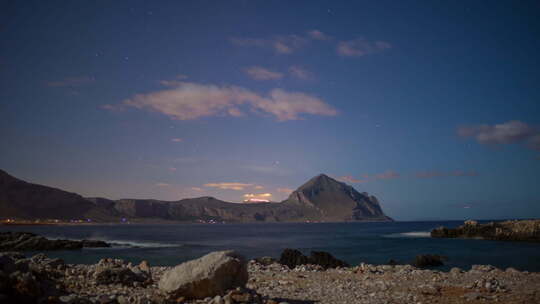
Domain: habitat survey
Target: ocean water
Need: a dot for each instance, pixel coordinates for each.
(374, 243)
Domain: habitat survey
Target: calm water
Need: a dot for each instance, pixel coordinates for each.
(374, 243)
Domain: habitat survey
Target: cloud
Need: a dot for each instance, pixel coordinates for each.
(390, 174)
(257, 198)
(228, 186)
(351, 180)
(361, 47)
(174, 82)
(250, 195)
(258, 187)
(510, 132)
(72, 82)
(429, 174)
(434, 174)
(299, 72)
(162, 185)
(286, 44)
(318, 35)
(190, 101)
(177, 140)
(110, 107)
(172, 169)
(464, 173)
(260, 73)
(285, 190)
(196, 189)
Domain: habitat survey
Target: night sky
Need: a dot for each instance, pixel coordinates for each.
(432, 106)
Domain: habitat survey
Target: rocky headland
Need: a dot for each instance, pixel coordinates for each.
(225, 277)
(26, 241)
(517, 230)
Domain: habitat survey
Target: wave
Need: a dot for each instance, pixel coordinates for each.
(139, 244)
(411, 234)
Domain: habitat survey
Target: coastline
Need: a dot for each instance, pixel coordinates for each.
(273, 283)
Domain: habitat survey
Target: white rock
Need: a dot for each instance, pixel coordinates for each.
(210, 275)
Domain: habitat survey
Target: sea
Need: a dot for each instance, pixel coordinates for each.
(368, 242)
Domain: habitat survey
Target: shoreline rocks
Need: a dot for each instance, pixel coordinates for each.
(40, 279)
(519, 230)
(293, 258)
(26, 241)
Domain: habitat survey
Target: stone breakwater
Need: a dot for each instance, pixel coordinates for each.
(522, 230)
(39, 279)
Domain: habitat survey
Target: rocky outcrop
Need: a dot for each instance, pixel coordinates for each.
(25, 241)
(293, 258)
(522, 230)
(428, 260)
(210, 275)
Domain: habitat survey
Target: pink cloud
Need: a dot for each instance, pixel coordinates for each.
(177, 140)
(260, 73)
(228, 186)
(299, 72)
(390, 174)
(286, 44)
(285, 190)
(351, 180)
(434, 174)
(510, 132)
(192, 101)
(361, 47)
(318, 35)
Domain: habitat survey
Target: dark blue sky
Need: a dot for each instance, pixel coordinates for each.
(432, 106)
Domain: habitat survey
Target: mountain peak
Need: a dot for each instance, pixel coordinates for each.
(335, 200)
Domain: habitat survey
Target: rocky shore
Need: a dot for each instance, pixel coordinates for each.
(23, 241)
(519, 230)
(226, 278)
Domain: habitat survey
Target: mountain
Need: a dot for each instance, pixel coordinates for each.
(336, 201)
(320, 199)
(19, 199)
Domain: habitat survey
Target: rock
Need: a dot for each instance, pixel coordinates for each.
(94, 244)
(210, 275)
(116, 275)
(523, 230)
(472, 296)
(30, 241)
(326, 260)
(144, 266)
(266, 260)
(68, 299)
(293, 258)
(392, 262)
(7, 264)
(428, 260)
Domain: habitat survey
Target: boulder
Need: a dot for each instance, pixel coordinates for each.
(428, 260)
(208, 276)
(265, 260)
(326, 260)
(293, 258)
